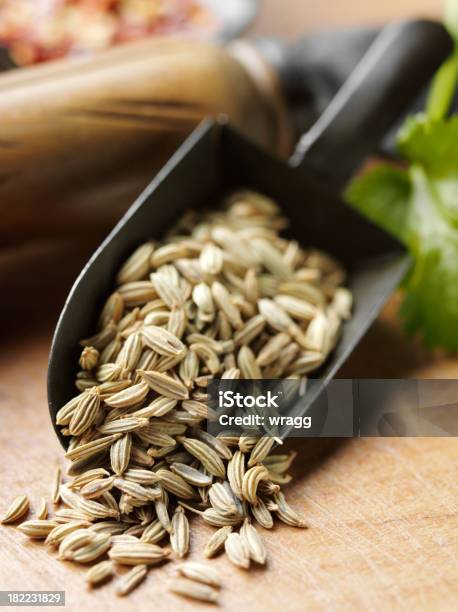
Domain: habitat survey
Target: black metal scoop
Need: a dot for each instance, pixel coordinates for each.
(216, 160)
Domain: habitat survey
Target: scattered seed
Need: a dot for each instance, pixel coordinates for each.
(237, 551)
(99, 573)
(37, 528)
(216, 543)
(139, 553)
(18, 508)
(194, 590)
(200, 572)
(131, 580)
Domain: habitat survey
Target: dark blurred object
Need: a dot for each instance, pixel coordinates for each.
(314, 68)
(6, 63)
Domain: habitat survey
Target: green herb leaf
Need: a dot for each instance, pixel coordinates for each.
(419, 206)
(382, 196)
(451, 17)
(443, 89)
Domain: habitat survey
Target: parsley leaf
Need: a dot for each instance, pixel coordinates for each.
(419, 205)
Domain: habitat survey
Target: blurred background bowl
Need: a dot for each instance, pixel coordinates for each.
(231, 18)
(235, 16)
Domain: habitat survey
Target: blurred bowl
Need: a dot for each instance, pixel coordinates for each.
(234, 15)
(232, 18)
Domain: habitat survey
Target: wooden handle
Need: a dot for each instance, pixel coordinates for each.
(79, 139)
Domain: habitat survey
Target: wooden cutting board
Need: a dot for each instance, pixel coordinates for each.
(382, 514)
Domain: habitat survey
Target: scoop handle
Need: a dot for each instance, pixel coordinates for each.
(393, 71)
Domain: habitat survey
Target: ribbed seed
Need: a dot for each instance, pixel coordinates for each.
(96, 488)
(247, 365)
(60, 532)
(250, 330)
(286, 514)
(194, 590)
(18, 508)
(250, 482)
(138, 554)
(120, 454)
(306, 362)
(272, 349)
(271, 258)
(137, 293)
(142, 477)
(191, 475)
(85, 413)
(123, 425)
(68, 515)
(279, 463)
(91, 448)
(64, 415)
(100, 340)
(112, 310)
(158, 407)
(189, 369)
(108, 372)
(42, 510)
(253, 543)
(92, 551)
(37, 528)
(96, 509)
(163, 514)
(175, 484)
(138, 264)
(162, 341)
(111, 527)
(130, 353)
(261, 450)
(179, 538)
(140, 457)
(212, 517)
(222, 299)
(89, 358)
(151, 436)
(236, 551)
(211, 260)
(206, 455)
(99, 573)
(262, 514)
(297, 308)
(222, 500)
(165, 385)
(131, 580)
(203, 299)
(154, 532)
(199, 572)
(236, 472)
(217, 445)
(74, 540)
(83, 479)
(275, 316)
(128, 397)
(168, 292)
(136, 490)
(216, 543)
(247, 443)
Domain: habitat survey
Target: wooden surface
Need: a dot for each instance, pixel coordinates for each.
(382, 513)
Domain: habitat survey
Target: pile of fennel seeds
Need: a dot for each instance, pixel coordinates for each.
(224, 296)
